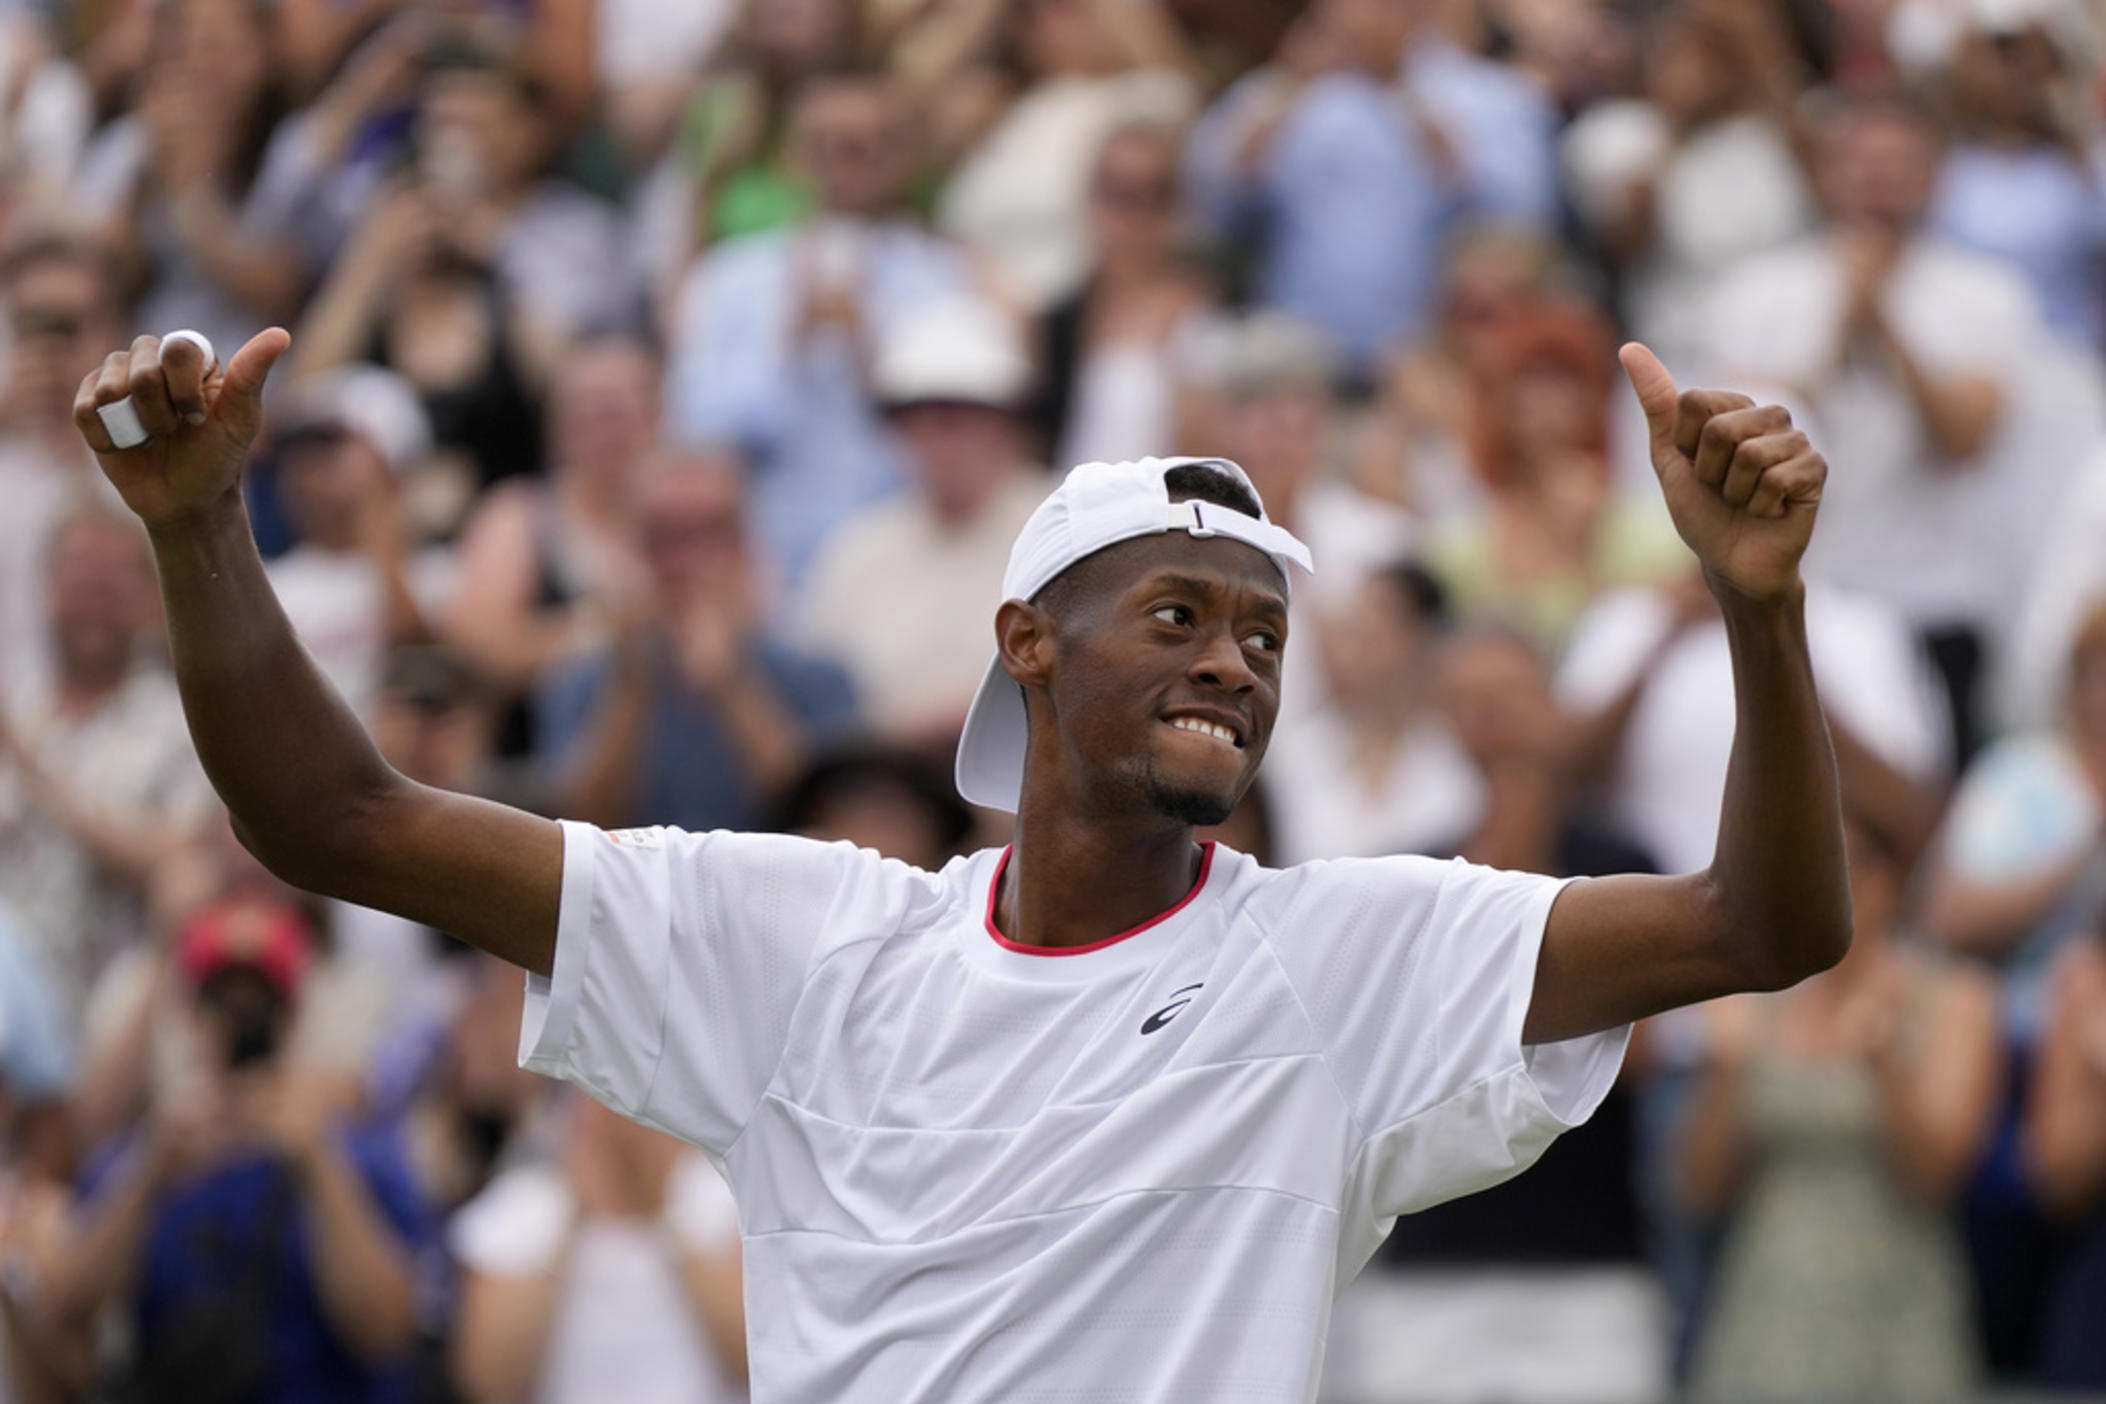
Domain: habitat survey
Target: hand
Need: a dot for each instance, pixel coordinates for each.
(709, 647)
(199, 422)
(1742, 484)
(1868, 253)
(185, 1132)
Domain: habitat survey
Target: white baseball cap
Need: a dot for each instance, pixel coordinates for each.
(958, 349)
(1096, 505)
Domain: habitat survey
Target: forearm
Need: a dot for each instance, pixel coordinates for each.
(130, 848)
(341, 315)
(1708, 1158)
(266, 278)
(296, 770)
(1778, 878)
(1987, 918)
(1959, 412)
(362, 1274)
(765, 730)
(716, 1293)
(105, 1255)
(1903, 811)
(503, 1331)
(1927, 1157)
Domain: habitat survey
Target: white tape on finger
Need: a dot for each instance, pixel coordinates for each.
(121, 419)
(123, 423)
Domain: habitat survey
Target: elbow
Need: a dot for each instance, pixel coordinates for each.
(1776, 949)
(322, 849)
(386, 1328)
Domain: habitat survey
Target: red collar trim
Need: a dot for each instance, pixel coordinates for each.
(994, 888)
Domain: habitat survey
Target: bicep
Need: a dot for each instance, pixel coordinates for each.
(487, 873)
(1619, 949)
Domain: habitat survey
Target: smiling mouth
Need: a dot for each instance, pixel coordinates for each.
(1201, 727)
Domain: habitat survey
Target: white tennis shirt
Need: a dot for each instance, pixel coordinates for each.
(968, 1170)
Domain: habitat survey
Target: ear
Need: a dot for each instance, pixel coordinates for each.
(1024, 636)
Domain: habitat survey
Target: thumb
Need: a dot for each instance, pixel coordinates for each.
(1655, 389)
(243, 387)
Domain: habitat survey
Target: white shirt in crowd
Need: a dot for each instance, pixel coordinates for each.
(623, 1326)
(1671, 767)
(1897, 523)
(1130, 1171)
(1732, 189)
(906, 603)
(1427, 800)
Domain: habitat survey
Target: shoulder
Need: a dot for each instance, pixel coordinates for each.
(1334, 893)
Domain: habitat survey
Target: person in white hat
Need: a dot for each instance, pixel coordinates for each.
(900, 592)
(1108, 1114)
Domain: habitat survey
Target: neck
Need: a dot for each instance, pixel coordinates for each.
(1071, 883)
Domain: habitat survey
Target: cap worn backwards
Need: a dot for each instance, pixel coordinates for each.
(1096, 505)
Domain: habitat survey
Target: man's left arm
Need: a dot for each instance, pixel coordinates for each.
(1774, 907)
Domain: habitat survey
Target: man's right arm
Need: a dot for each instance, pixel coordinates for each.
(309, 794)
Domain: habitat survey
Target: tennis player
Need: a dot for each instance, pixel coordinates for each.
(1109, 1114)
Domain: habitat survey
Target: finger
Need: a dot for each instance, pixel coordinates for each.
(149, 388)
(1723, 430)
(86, 401)
(241, 392)
(1655, 390)
(1796, 482)
(1756, 456)
(183, 367)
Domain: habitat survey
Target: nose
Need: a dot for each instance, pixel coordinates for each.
(1221, 664)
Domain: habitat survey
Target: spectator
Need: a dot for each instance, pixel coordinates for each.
(614, 1274)
(1261, 396)
(1837, 1122)
(49, 109)
(1907, 351)
(37, 1362)
(1562, 1245)
(1357, 148)
(1699, 172)
(884, 798)
(1646, 674)
(539, 557)
(1110, 350)
(97, 778)
(347, 585)
(192, 182)
(769, 335)
(2021, 183)
(1376, 769)
(259, 1250)
(62, 310)
(1552, 530)
(2019, 868)
(2066, 1148)
(1020, 194)
(901, 595)
(694, 715)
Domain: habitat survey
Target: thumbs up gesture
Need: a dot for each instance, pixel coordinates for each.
(199, 421)
(1741, 483)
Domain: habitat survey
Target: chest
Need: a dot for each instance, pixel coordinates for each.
(923, 1096)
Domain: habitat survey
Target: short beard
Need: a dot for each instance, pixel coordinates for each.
(1193, 807)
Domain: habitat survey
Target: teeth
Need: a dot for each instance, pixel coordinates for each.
(1204, 728)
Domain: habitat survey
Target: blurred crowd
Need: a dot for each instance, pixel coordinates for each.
(669, 379)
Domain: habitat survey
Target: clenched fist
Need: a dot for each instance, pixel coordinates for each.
(199, 422)
(1741, 483)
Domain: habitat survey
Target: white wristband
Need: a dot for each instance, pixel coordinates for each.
(121, 419)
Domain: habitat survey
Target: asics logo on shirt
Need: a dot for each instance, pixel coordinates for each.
(1178, 1000)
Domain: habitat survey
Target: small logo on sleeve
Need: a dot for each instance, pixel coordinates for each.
(1178, 1000)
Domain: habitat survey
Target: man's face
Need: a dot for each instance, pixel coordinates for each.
(101, 588)
(693, 522)
(326, 481)
(850, 136)
(955, 449)
(1878, 167)
(476, 132)
(63, 320)
(1161, 641)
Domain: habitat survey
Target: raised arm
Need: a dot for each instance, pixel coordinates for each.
(309, 794)
(1774, 907)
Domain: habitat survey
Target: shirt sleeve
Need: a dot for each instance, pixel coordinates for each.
(680, 959)
(1418, 975)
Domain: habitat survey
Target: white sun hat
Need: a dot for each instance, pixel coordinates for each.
(1096, 505)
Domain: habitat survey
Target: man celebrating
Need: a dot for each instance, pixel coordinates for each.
(1108, 1114)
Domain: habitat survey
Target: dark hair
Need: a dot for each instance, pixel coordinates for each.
(1211, 482)
(860, 768)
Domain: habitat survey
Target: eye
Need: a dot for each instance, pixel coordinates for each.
(1266, 640)
(1174, 614)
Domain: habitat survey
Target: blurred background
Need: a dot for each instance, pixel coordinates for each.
(669, 378)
